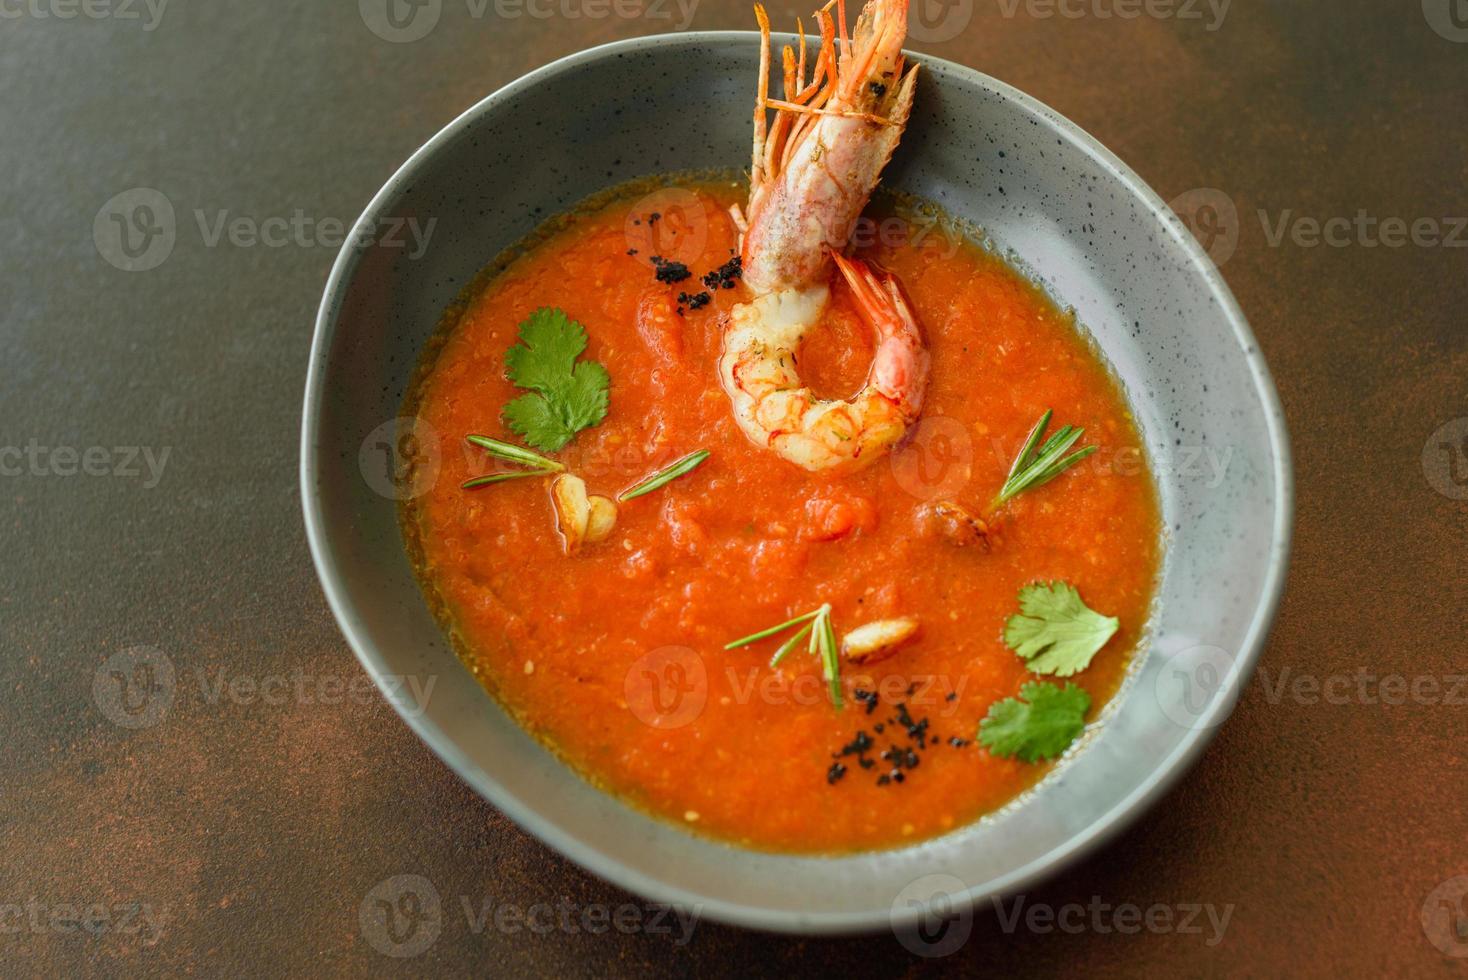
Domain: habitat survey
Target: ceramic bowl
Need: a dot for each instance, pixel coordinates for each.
(1046, 194)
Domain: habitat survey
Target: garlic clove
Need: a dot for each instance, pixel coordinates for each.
(573, 510)
(878, 640)
(602, 518)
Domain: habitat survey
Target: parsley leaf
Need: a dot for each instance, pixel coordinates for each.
(565, 395)
(1056, 632)
(1043, 728)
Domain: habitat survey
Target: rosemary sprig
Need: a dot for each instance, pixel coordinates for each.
(666, 475)
(536, 464)
(821, 643)
(1034, 467)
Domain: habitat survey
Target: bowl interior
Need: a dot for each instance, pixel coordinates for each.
(1067, 211)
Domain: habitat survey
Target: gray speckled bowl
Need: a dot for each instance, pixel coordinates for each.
(1076, 218)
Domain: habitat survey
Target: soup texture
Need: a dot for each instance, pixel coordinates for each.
(615, 657)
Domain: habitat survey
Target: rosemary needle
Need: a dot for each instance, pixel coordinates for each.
(789, 645)
(666, 475)
(484, 481)
(511, 453)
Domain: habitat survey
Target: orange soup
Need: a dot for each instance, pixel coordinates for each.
(615, 655)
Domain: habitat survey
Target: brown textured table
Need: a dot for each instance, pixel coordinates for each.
(148, 439)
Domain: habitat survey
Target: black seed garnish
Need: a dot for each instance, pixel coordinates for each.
(915, 729)
(836, 771)
(668, 271)
(861, 743)
(952, 696)
(725, 275)
(898, 759)
(695, 300)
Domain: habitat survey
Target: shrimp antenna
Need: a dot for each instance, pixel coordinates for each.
(761, 100)
(773, 145)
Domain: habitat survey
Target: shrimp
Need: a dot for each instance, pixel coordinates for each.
(775, 409)
(813, 170)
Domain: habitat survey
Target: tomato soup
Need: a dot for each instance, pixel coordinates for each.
(615, 656)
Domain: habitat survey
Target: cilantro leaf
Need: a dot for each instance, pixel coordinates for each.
(532, 417)
(549, 344)
(566, 395)
(584, 400)
(1043, 728)
(1056, 632)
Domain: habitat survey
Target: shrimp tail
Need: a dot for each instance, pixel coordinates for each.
(900, 364)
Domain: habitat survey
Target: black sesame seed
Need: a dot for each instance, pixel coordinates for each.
(725, 275)
(669, 271)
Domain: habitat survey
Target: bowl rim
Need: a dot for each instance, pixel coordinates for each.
(1165, 772)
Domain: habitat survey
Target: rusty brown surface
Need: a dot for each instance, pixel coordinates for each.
(252, 831)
